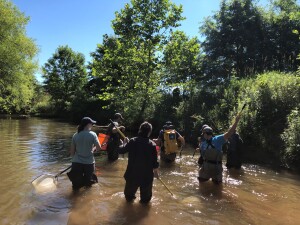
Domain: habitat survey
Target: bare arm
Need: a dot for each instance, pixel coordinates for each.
(72, 149)
(97, 147)
(232, 128)
(157, 141)
(181, 139)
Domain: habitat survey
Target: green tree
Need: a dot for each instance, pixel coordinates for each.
(65, 76)
(243, 39)
(130, 65)
(233, 39)
(181, 61)
(17, 64)
(284, 20)
(181, 58)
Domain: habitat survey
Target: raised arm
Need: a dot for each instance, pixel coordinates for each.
(232, 128)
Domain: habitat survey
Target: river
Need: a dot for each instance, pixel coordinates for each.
(33, 147)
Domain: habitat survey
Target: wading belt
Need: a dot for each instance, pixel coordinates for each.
(213, 161)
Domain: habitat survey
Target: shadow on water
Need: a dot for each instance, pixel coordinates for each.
(88, 208)
(253, 195)
(210, 190)
(129, 213)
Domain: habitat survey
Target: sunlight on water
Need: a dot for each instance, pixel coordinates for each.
(252, 195)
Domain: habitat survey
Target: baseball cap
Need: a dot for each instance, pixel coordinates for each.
(207, 129)
(205, 125)
(87, 120)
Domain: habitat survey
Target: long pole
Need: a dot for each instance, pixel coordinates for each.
(242, 108)
(120, 132)
(165, 186)
(194, 152)
(62, 171)
(100, 126)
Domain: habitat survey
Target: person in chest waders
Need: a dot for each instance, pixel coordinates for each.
(84, 143)
(211, 152)
(114, 137)
(200, 140)
(167, 140)
(142, 164)
(234, 151)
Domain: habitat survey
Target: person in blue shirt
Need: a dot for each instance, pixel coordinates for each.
(211, 152)
(84, 143)
(200, 139)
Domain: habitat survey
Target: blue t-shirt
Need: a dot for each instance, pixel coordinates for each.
(84, 142)
(210, 153)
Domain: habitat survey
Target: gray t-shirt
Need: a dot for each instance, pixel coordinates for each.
(84, 142)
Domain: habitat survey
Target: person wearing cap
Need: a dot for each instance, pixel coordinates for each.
(200, 139)
(114, 137)
(166, 137)
(142, 164)
(84, 143)
(211, 152)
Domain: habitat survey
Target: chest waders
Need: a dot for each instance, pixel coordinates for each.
(212, 155)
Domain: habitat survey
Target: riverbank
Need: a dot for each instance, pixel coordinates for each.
(14, 116)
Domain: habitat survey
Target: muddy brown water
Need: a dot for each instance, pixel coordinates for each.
(33, 147)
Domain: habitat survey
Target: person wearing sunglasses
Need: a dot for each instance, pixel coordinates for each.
(200, 140)
(211, 152)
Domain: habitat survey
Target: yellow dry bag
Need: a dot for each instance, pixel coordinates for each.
(170, 142)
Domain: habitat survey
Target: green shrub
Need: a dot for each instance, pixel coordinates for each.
(270, 98)
(291, 138)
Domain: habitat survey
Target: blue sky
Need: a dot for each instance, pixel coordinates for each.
(81, 24)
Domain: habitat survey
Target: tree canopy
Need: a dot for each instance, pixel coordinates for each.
(130, 60)
(65, 76)
(17, 64)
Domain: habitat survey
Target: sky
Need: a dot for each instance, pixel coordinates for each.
(81, 24)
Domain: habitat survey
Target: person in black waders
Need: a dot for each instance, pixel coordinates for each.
(167, 140)
(234, 151)
(84, 143)
(212, 154)
(114, 137)
(142, 164)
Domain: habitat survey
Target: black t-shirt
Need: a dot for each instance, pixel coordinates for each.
(142, 159)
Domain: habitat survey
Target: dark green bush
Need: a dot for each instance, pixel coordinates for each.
(291, 138)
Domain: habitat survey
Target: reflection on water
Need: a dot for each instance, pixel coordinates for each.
(33, 147)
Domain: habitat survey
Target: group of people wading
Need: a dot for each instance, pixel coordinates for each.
(142, 152)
